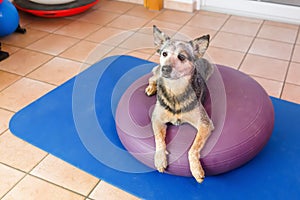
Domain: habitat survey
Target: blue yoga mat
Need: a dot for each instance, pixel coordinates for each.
(75, 122)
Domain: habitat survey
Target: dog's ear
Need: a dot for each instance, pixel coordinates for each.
(200, 45)
(159, 37)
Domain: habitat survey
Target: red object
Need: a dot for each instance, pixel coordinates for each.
(57, 13)
(1, 1)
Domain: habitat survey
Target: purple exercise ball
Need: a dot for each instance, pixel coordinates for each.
(9, 18)
(239, 107)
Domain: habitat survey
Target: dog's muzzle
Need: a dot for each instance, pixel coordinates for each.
(166, 70)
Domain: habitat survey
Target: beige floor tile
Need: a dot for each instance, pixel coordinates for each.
(7, 79)
(298, 39)
(265, 67)
(190, 33)
(291, 93)
(22, 92)
(243, 27)
(139, 54)
(175, 17)
(141, 11)
(138, 41)
(18, 153)
(154, 58)
(5, 117)
(278, 33)
(118, 51)
(294, 74)
(48, 24)
(115, 6)
(281, 24)
(296, 54)
(24, 61)
(273, 88)
(107, 191)
(61, 173)
(56, 71)
(80, 51)
(110, 36)
(78, 29)
(23, 40)
(167, 27)
(34, 188)
(272, 49)
(247, 19)
(224, 57)
(207, 21)
(98, 17)
(8, 178)
(47, 44)
(128, 22)
(232, 41)
(98, 53)
(9, 48)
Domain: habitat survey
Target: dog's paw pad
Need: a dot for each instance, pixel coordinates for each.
(161, 161)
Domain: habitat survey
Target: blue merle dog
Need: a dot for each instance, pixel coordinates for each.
(180, 84)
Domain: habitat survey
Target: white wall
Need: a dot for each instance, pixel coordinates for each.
(269, 11)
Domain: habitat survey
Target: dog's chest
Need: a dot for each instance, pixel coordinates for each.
(176, 101)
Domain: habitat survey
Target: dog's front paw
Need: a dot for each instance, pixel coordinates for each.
(150, 90)
(160, 160)
(198, 173)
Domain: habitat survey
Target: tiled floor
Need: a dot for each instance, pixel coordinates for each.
(54, 50)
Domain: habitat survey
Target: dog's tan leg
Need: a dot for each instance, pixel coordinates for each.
(151, 88)
(160, 159)
(204, 127)
(194, 152)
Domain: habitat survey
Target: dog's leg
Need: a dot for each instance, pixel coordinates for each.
(151, 88)
(204, 127)
(160, 159)
(194, 153)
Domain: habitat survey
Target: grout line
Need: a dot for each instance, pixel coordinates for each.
(53, 183)
(19, 78)
(253, 39)
(290, 61)
(12, 187)
(7, 109)
(60, 186)
(25, 174)
(88, 195)
(270, 79)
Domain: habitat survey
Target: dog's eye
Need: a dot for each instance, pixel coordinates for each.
(165, 54)
(181, 57)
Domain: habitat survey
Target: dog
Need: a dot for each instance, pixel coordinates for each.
(179, 82)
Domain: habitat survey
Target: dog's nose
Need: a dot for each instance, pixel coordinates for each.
(166, 69)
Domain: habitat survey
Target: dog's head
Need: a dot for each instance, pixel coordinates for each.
(177, 57)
